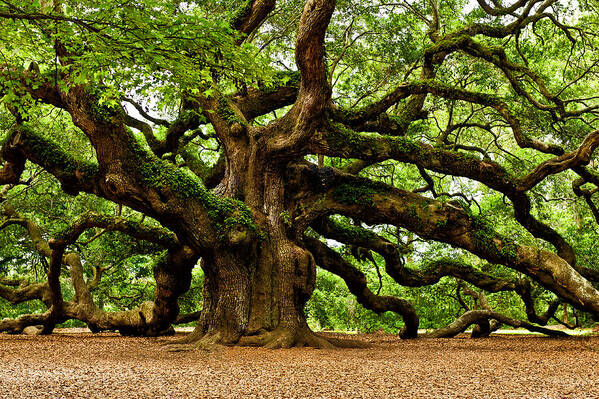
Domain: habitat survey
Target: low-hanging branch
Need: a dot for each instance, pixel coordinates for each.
(433, 270)
(356, 283)
(460, 324)
(395, 267)
(376, 203)
(151, 318)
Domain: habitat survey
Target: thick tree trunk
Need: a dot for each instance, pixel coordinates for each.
(257, 298)
(255, 289)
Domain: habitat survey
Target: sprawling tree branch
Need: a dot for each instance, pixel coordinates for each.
(356, 283)
(395, 266)
(172, 273)
(261, 102)
(356, 118)
(339, 141)
(377, 203)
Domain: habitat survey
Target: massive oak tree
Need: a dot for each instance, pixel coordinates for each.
(302, 104)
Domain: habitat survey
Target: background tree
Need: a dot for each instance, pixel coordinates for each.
(434, 139)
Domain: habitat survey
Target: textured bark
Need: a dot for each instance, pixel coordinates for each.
(257, 298)
(256, 289)
(476, 316)
(252, 14)
(25, 292)
(172, 273)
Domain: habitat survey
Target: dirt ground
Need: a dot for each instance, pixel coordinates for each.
(110, 366)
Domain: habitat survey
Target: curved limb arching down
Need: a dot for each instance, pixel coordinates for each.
(356, 283)
(486, 320)
(377, 203)
(428, 273)
(150, 319)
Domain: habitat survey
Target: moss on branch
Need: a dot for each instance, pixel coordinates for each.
(73, 173)
(161, 175)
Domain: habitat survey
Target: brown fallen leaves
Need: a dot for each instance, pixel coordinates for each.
(110, 366)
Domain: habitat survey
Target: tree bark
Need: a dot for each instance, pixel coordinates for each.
(257, 298)
(476, 316)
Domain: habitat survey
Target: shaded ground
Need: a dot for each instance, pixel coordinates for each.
(110, 366)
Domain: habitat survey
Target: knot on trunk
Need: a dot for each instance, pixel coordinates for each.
(237, 129)
(115, 184)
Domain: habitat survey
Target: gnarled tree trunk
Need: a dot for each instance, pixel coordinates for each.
(256, 298)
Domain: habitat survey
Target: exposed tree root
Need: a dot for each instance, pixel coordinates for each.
(280, 338)
(207, 342)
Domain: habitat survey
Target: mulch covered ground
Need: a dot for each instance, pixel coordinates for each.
(111, 366)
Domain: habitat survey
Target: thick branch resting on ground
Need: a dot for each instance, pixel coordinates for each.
(152, 318)
(434, 271)
(475, 316)
(16, 326)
